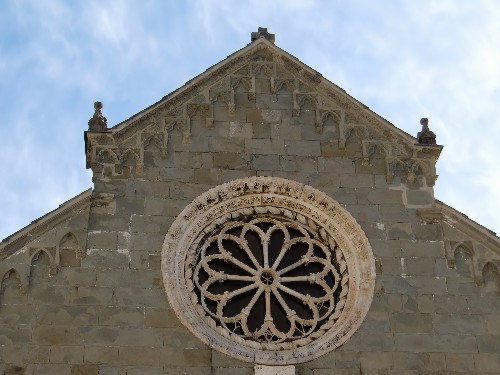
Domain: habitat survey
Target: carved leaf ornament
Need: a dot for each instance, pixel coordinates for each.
(268, 270)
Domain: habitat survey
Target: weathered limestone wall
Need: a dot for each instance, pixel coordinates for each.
(106, 312)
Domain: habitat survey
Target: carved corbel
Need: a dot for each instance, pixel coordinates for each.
(251, 91)
(186, 132)
(318, 121)
(368, 149)
(296, 108)
(231, 106)
(342, 139)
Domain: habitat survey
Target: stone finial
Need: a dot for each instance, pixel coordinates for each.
(426, 136)
(262, 33)
(98, 122)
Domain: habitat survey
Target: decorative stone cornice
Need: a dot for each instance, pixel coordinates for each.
(119, 153)
(40, 226)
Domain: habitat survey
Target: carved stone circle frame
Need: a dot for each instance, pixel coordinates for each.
(268, 270)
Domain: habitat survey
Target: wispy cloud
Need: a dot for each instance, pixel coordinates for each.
(406, 60)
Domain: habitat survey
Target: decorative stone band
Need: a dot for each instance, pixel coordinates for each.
(268, 270)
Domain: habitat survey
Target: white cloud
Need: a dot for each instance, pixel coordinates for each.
(406, 60)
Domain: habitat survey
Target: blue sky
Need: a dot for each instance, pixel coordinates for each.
(404, 59)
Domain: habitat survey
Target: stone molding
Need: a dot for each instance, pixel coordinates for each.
(276, 198)
(119, 153)
(40, 226)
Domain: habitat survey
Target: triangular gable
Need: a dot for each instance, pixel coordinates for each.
(242, 72)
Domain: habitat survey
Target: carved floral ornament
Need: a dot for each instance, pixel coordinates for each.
(268, 270)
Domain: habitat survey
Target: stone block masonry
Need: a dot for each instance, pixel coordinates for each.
(81, 289)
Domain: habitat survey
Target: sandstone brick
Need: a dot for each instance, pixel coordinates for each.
(232, 371)
(458, 323)
(265, 162)
(377, 321)
(23, 353)
(419, 198)
(223, 144)
(105, 258)
(142, 370)
(417, 266)
(102, 240)
(411, 323)
(400, 231)
(452, 304)
(14, 315)
(178, 357)
(265, 146)
(13, 335)
(234, 174)
(146, 223)
(386, 248)
(175, 174)
(180, 337)
(120, 336)
(487, 362)
(303, 148)
(127, 278)
(56, 335)
(412, 248)
(140, 297)
(393, 213)
(84, 370)
(206, 176)
(285, 131)
(121, 316)
(66, 354)
(460, 362)
(424, 342)
(437, 361)
(347, 359)
(50, 369)
(376, 360)
(186, 191)
(237, 129)
(112, 370)
(221, 360)
(415, 361)
(390, 266)
(461, 286)
(488, 344)
(229, 160)
(368, 342)
(139, 356)
(66, 315)
(364, 213)
(477, 304)
(81, 295)
(426, 303)
(197, 143)
(139, 259)
(356, 180)
(160, 318)
(101, 355)
(187, 159)
(427, 232)
(144, 241)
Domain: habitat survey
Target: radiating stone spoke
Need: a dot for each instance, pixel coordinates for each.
(266, 280)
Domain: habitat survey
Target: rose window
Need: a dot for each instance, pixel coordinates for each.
(268, 270)
(270, 280)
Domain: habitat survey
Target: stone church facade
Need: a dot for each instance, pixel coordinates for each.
(256, 220)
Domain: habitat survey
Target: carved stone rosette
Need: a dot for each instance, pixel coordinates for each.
(268, 270)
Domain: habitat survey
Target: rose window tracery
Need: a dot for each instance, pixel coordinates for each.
(269, 280)
(268, 270)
